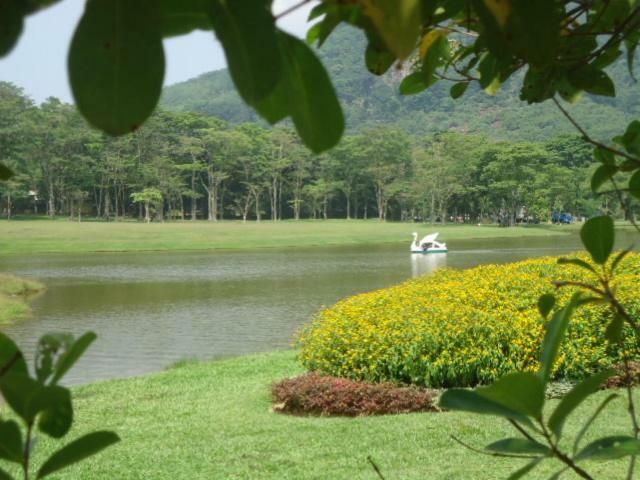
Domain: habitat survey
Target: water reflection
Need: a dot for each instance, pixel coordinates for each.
(424, 263)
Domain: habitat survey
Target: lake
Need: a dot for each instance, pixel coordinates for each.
(153, 309)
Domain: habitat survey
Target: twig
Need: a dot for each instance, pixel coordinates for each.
(563, 457)
(375, 467)
(292, 9)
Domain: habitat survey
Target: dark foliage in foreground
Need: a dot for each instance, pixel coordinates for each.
(322, 395)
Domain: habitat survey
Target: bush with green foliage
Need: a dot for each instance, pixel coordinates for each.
(462, 328)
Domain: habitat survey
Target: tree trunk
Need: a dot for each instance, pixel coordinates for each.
(194, 204)
(147, 213)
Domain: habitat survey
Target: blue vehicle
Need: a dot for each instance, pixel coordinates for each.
(562, 218)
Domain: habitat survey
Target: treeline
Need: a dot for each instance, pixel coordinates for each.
(191, 166)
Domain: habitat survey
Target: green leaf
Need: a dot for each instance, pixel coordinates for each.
(604, 156)
(49, 347)
(533, 31)
(397, 22)
(116, 63)
(538, 85)
(634, 184)
(377, 58)
(11, 446)
(412, 84)
(180, 17)
(71, 356)
(631, 138)
(472, 401)
(275, 106)
(18, 390)
(524, 470)
(5, 172)
(4, 475)
(592, 80)
(458, 89)
(12, 14)
(556, 330)
(434, 48)
(313, 104)
(613, 333)
(546, 303)
(518, 445)
(597, 236)
(574, 398)
(610, 448)
(53, 403)
(10, 354)
(77, 450)
(247, 32)
(577, 262)
(602, 174)
(522, 392)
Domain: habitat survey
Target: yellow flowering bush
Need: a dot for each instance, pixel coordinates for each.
(462, 328)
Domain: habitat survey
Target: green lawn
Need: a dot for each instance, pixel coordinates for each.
(213, 421)
(44, 236)
(14, 292)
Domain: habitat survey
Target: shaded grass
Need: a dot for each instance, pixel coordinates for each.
(14, 293)
(213, 421)
(49, 236)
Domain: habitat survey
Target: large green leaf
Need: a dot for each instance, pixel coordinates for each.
(180, 17)
(12, 14)
(519, 446)
(77, 450)
(631, 138)
(522, 392)
(11, 358)
(546, 303)
(610, 448)
(116, 63)
(574, 398)
(18, 390)
(602, 174)
(634, 184)
(592, 80)
(53, 403)
(247, 32)
(556, 330)
(4, 475)
(71, 356)
(472, 401)
(397, 22)
(533, 30)
(313, 104)
(597, 236)
(577, 262)
(412, 84)
(11, 446)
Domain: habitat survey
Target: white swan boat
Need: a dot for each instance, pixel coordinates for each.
(428, 244)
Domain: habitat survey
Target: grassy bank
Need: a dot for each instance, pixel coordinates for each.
(44, 236)
(14, 292)
(213, 421)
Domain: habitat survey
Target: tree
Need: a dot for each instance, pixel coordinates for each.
(151, 198)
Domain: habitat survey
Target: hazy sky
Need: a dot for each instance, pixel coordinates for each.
(38, 62)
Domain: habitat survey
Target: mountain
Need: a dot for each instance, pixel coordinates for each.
(368, 101)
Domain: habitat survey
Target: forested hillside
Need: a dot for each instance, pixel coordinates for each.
(370, 101)
(188, 166)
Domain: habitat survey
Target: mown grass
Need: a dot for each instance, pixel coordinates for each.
(49, 236)
(213, 421)
(14, 292)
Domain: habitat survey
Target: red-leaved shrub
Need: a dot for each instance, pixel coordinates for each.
(321, 395)
(620, 379)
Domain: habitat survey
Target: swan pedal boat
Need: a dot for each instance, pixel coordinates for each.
(428, 244)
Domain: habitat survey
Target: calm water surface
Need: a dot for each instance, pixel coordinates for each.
(152, 309)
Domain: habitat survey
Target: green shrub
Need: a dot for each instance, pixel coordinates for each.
(462, 328)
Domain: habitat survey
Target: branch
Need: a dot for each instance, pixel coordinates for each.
(292, 9)
(375, 467)
(9, 365)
